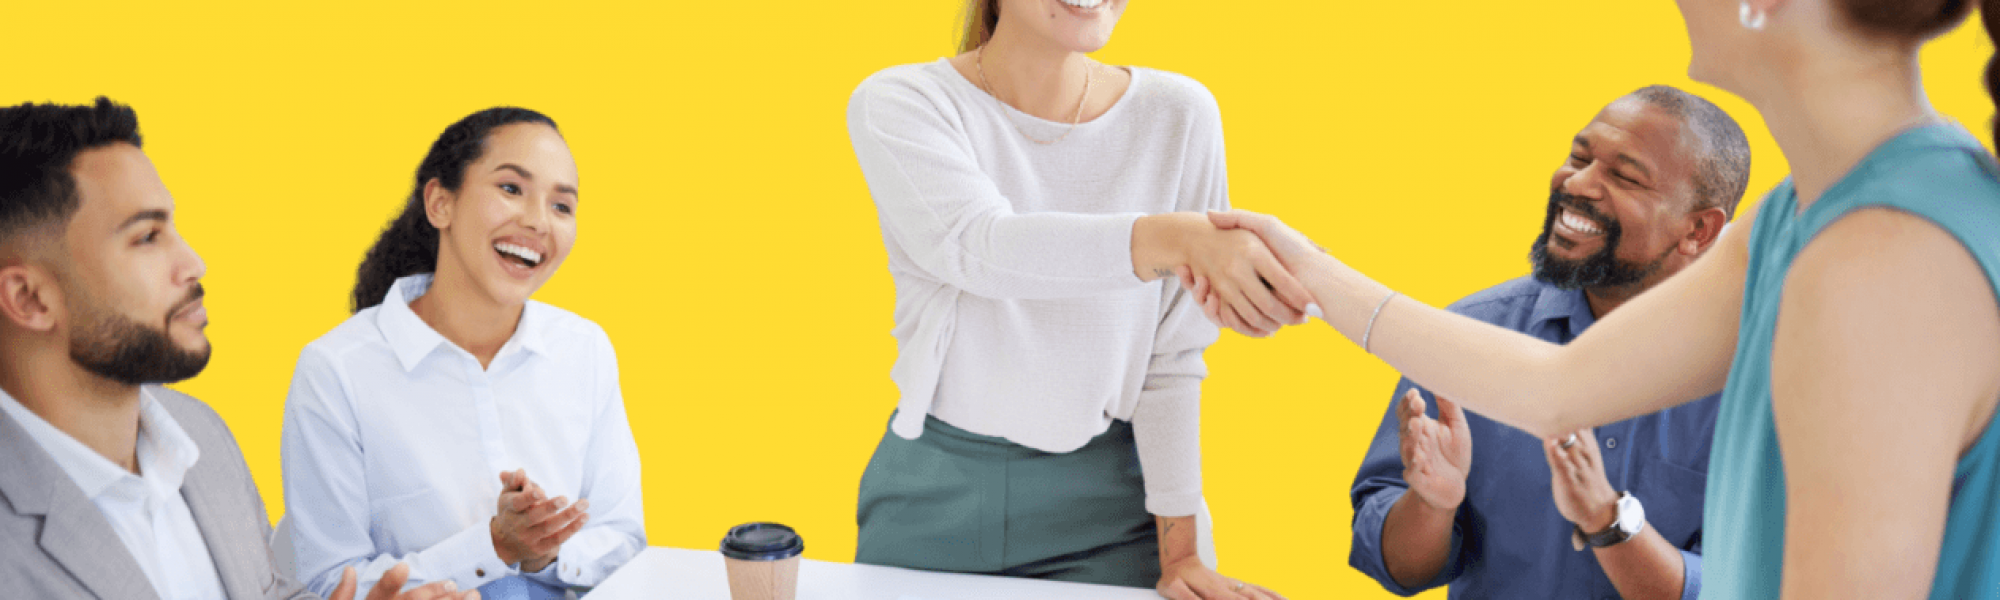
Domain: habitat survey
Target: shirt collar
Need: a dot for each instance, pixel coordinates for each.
(1554, 303)
(412, 339)
(165, 451)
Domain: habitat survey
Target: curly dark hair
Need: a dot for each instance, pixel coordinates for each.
(409, 245)
(37, 144)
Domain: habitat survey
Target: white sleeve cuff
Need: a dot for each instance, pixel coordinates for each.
(469, 557)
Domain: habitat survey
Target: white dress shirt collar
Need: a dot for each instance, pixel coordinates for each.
(164, 450)
(146, 510)
(412, 339)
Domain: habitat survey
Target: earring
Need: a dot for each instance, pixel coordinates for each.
(1752, 19)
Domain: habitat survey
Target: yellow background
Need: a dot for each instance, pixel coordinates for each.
(730, 248)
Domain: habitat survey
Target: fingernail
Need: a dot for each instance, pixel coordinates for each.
(450, 586)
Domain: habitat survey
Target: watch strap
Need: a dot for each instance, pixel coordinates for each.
(1612, 534)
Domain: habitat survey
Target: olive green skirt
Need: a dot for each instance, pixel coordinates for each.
(953, 500)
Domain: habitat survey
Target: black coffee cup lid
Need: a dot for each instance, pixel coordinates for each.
(762, 541)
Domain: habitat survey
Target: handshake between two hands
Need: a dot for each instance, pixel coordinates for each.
(528, 529)
(1245, 275)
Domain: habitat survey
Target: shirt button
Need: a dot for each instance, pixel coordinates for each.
(479, 572)
(1611, 443)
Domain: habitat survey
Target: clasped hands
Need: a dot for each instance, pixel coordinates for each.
(529, 526)
(1246, 278)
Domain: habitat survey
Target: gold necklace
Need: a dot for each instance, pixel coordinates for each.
(979, 63)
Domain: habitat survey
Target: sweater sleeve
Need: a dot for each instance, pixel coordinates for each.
(1166, 423)
(940, 208)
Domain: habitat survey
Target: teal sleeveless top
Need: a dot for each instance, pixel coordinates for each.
(1939, 173)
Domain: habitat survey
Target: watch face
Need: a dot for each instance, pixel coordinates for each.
(1631, 515)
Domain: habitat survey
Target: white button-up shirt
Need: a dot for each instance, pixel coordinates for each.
(146, 510)
(395, 439)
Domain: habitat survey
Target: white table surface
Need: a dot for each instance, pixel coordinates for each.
(678, 573)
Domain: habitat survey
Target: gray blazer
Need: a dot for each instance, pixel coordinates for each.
(55, 544)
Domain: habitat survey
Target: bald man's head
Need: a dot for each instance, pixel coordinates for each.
(1721, 152)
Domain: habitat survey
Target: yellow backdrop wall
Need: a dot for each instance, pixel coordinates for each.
(730, 248)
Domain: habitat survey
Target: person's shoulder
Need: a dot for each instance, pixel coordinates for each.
(1509, 297)
(1946, 172)
(561, 325)
(1174, 90)
(904, 92)
(917, 78)
(1883, 241)
(359, 330)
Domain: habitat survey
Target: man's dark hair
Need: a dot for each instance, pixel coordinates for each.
(37, 144)
(1722, 161)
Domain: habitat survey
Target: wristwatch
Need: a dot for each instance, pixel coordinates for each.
(1630, 521)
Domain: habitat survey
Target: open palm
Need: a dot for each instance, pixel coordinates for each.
(1437, 453)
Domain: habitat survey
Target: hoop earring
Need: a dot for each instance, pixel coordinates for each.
(1752, 19)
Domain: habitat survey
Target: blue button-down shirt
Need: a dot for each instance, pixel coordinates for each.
(1508, 540)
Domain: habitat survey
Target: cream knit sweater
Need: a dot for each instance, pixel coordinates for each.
(1017, 313)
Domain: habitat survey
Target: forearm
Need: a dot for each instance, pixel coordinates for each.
(1159, 242)
(1645, 567)
(1530, 384)
(1416, 540)
(1177, 539)
(467, 558)
(1502, 374)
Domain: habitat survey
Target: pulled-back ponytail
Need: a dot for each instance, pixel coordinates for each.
(981, 16)
(409, 245)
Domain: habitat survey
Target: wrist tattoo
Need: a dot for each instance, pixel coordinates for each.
(1170, 528)
(1162, 273)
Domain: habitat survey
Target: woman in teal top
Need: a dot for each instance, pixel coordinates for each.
(1853, 320)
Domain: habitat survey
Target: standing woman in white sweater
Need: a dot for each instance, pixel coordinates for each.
(1034, 204)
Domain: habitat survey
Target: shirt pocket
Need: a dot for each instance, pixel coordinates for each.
(1672, 495)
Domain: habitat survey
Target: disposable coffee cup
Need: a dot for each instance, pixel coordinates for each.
(763, 561)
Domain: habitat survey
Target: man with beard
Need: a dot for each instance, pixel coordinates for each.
(113, 486)
(1647, 187)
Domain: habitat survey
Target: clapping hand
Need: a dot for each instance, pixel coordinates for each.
(531, 527)
(1576, 477)
(1437, 453)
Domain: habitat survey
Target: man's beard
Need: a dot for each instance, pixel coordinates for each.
(129, 352)
(1601, 269)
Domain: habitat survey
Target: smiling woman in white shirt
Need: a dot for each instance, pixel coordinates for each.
(1033, 203)
(452, 423)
